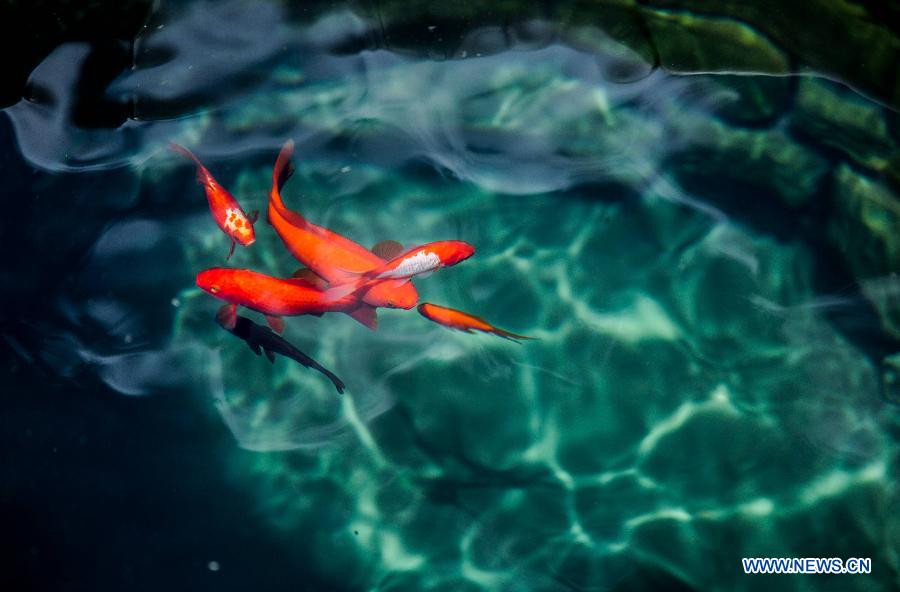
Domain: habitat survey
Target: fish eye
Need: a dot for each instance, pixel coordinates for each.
(214, 289)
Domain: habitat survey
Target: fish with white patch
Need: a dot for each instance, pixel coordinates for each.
(224, 208)
(422, 259)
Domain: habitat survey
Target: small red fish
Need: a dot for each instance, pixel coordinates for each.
(456, 319)
(423, 259)
(271, 296)
(225, 209)
(327, 254)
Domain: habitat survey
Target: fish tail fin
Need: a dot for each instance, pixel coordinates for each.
(283, 170)
(280, 174)
(184, 152)
(510, 335)
(203, 175)
(366, 315)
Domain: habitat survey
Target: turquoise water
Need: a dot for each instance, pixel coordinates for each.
(708, 264)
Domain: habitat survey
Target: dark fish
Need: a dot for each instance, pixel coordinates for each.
(261, 340)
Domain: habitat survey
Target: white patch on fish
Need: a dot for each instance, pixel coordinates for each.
(231, 217)
(421, 262)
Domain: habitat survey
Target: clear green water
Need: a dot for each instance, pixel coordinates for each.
(709, 380)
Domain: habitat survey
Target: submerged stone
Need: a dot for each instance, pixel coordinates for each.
(890, 378)
(716, 160)
(746, 100)
(891, 171)
(865, 228)
(589, 29)
(866, 224)
(842, 120)
(690, 43)
(856, 42)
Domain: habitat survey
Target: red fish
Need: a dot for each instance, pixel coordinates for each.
(271, 296)
(424, 259)
(225, 209)
(330, 256)
(456, 319)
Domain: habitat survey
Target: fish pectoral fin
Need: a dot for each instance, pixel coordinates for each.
(253, 217)
(230, 251)
(227, 316)
(254, 347)
(387, 249)
(277, 323)
(269, 355)
(366, 315)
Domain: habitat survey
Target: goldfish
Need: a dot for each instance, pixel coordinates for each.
(456, 319)
(331, 256)
(423, 259)
(261, 339)
(273, 297)
(224, 208)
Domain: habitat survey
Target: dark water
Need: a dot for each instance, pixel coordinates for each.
(709, 262)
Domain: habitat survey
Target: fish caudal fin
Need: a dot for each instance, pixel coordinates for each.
(280, 175)
(184, 152)
(284, 168)
(203, 175)
(509, 335)
(366, 315)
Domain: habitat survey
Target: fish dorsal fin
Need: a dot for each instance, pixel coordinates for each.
(387, 249)
(365, 314)
(308, 277)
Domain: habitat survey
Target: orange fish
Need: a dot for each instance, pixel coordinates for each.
(424, 259)
(331, 256)
(271, 296)
(456, 319)
(225, 209)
